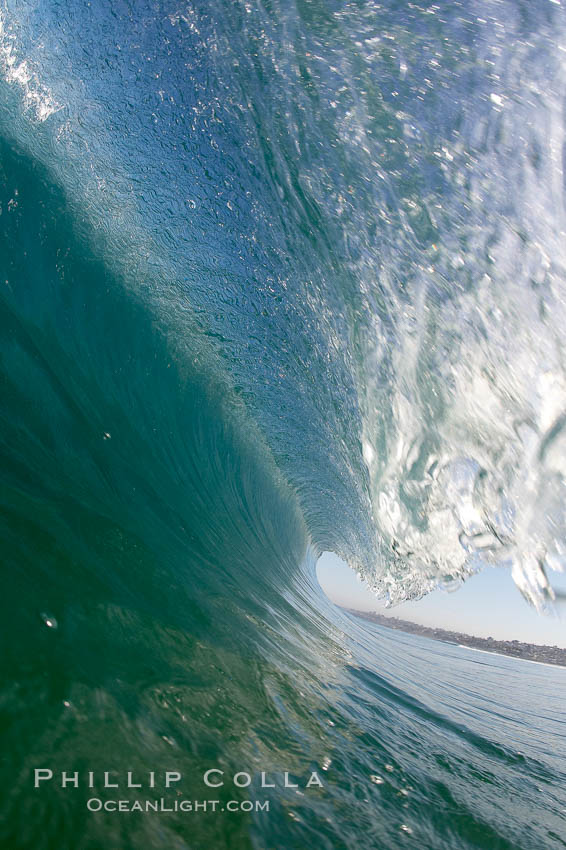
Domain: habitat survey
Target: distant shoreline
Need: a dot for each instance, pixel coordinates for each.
(514, 649)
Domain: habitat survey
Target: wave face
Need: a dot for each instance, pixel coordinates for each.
(277, 278)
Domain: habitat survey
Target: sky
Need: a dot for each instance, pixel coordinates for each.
(488, 604)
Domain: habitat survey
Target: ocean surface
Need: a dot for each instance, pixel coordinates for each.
(278, 278)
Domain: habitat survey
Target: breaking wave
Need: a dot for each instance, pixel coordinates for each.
(276, 278)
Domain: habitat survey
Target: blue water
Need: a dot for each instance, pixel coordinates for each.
(278, 278)
(483, 732)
